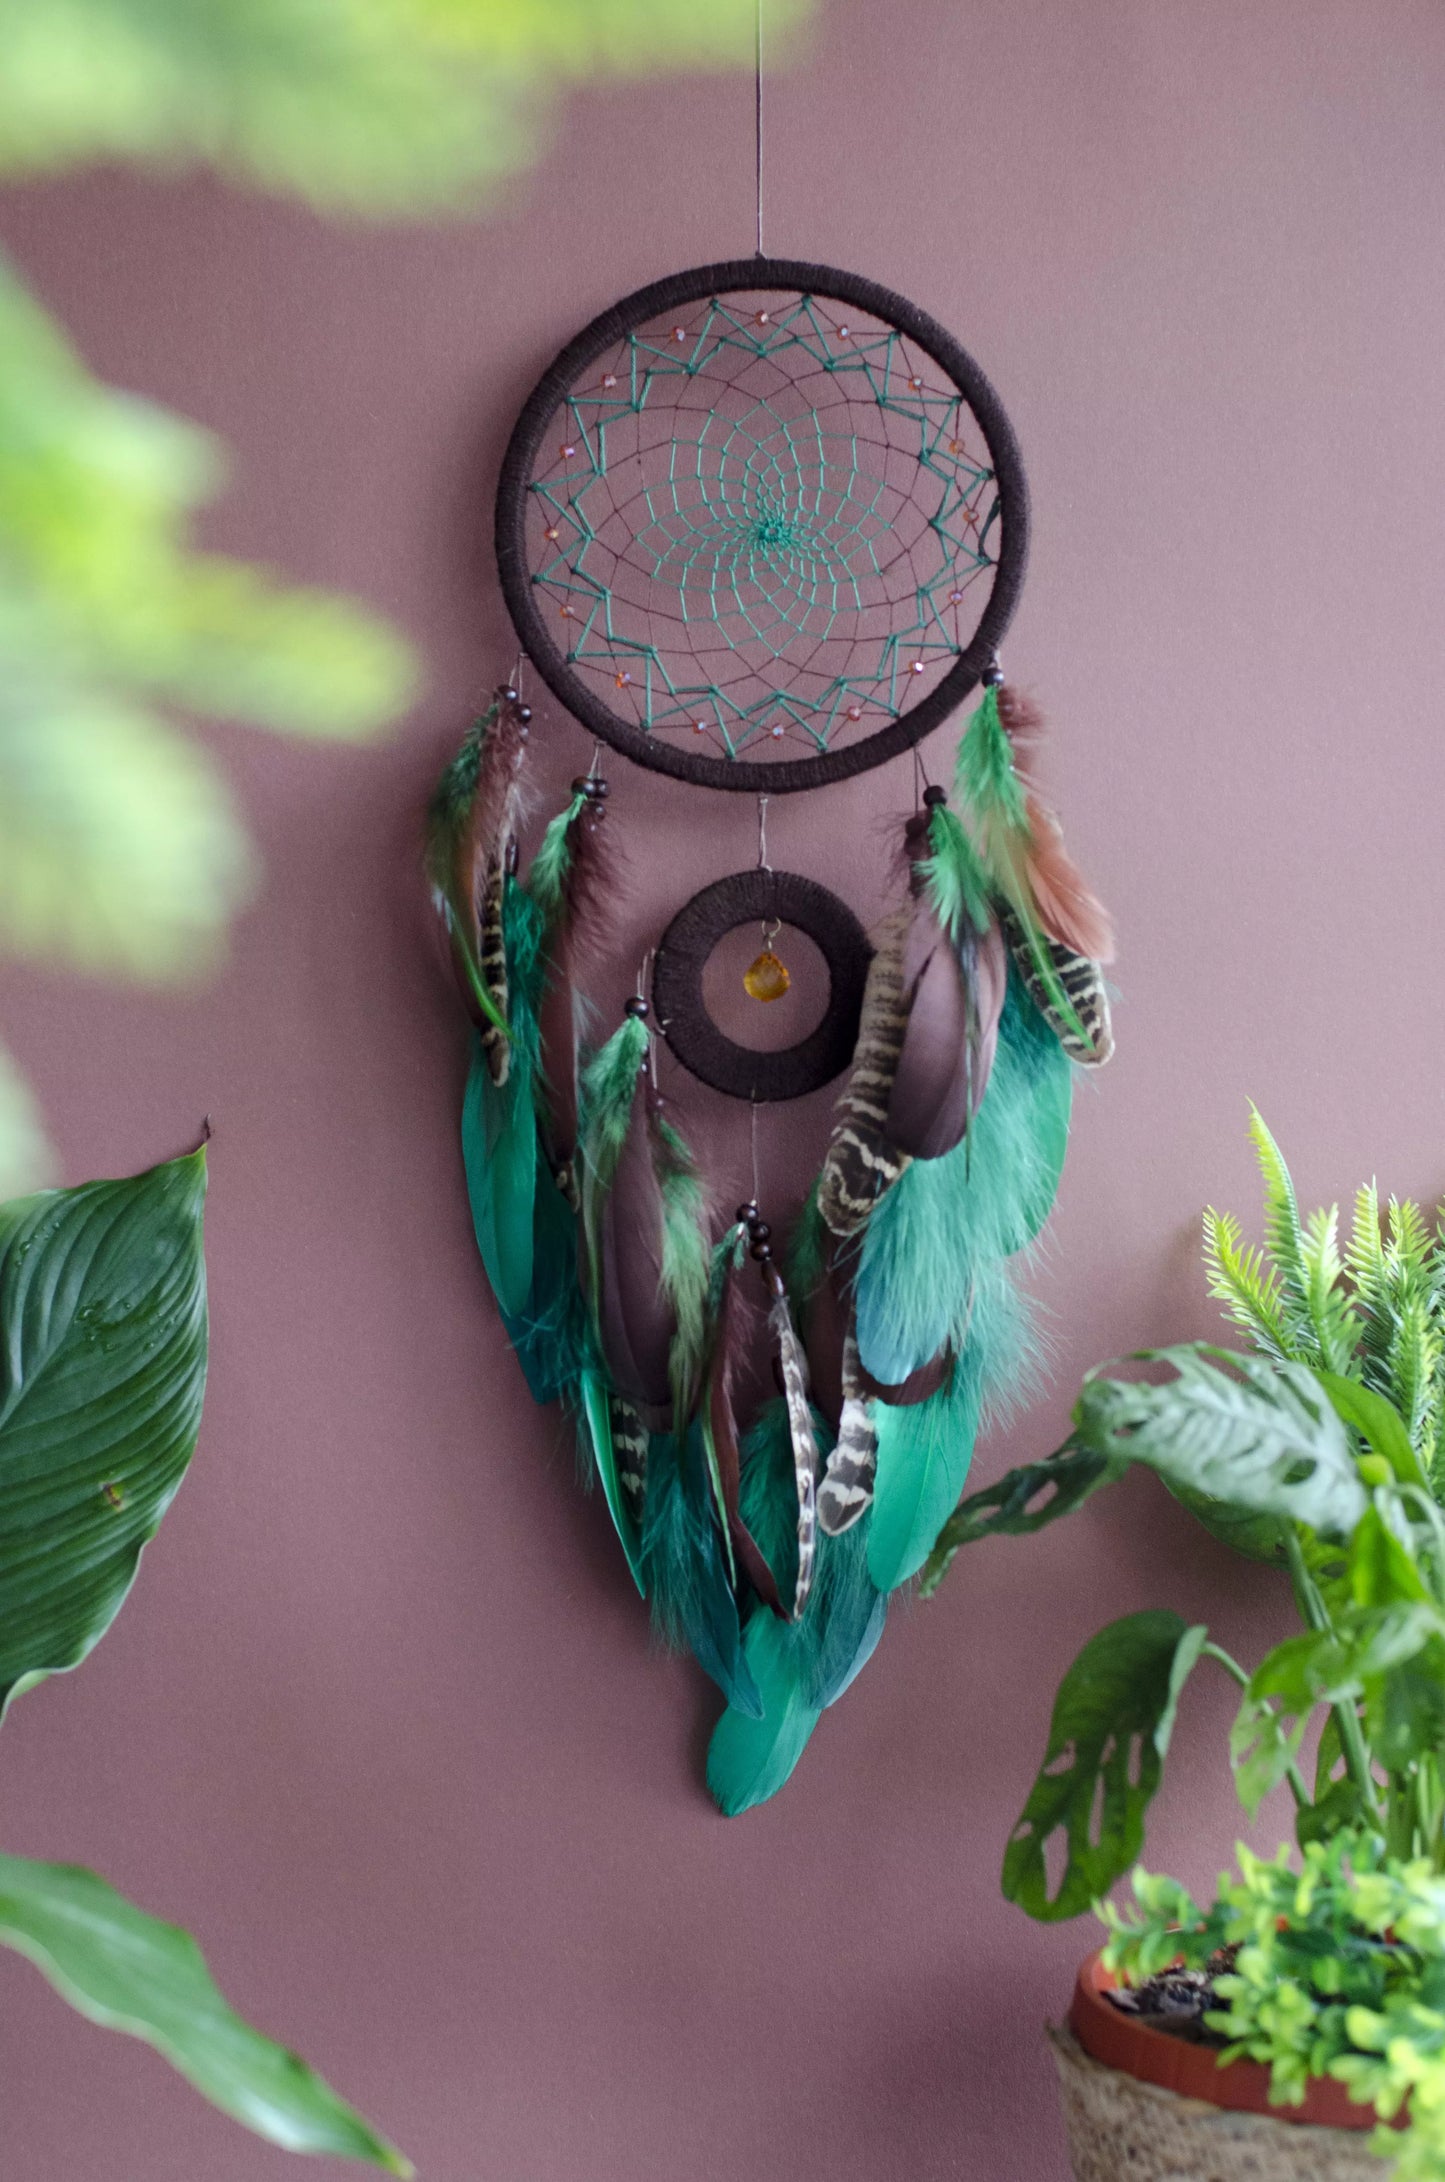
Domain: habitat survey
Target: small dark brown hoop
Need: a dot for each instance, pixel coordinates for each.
(759, 275)
(749, 897)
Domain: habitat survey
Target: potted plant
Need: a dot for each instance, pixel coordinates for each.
(1283, 2028)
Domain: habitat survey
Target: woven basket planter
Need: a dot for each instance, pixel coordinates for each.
(1141, 2106)
(1121, 2130)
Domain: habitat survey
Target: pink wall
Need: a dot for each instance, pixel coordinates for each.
(383, 1722)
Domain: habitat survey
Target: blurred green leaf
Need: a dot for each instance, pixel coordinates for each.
(129, 1972)
(25, 1156)
(102, 1371)
(382, 105)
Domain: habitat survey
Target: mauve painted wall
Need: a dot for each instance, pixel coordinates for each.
(383, 1721)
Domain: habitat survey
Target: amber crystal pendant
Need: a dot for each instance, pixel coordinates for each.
(767, 978)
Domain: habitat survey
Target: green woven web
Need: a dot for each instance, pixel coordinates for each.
(764, 521)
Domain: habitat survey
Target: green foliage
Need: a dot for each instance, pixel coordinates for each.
(121, 848)
(1320, 1453)
(1339, 1972)
(103, 1321)
(103, 1332)
(1113, 1717)
(129, 1972)
(378, 105)
(1255, 1436)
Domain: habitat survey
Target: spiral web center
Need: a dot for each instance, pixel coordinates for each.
(764, 522)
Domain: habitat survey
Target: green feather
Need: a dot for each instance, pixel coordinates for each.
(985, 776)
(684, 1570)
(751, 1755)
(799, 1667)
(596, 1421)
(607, 1090)
(551, 1334)
(925, 1449)
(499, 1151)
(956, 883)
(686, 1266)
(946, 1220)
(547, 876)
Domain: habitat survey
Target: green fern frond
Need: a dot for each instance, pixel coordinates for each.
(1242, 1280)
(1414, 1366)
(1332, 1315)
(1284, 1231)
(1365, 1263)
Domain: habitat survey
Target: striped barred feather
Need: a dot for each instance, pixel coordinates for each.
(794, 1373)
(492, 959)
(629, 1445)
(847, 1488)
(860, 1164)
(1083, 984)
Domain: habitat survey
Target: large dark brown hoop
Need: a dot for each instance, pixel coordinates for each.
(760, 275)
(749, 897)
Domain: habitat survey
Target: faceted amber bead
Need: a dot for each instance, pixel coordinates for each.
(767, 978)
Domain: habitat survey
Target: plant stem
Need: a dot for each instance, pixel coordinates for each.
(1347, 1720)
(1293, 1775)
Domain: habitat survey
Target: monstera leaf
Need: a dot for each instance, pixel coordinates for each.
(1110, 1733)
(102, 1370)
(129, 1972)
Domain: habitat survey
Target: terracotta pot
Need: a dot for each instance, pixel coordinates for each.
(1153, 2057)
(1141, 2106)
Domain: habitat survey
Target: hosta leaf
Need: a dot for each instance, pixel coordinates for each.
(1256, 1435)
(1110, 1732)
(129, 1972)
(102, 1370)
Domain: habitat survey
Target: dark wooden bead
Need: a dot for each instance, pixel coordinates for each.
(637, 1006)
(933, 796)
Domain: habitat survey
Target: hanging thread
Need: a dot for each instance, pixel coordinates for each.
(758, 121)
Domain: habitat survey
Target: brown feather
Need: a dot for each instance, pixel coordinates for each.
(1067, 908)
(579, 941)
(730, 1338)
(635, 1321)
(860, 1165)
(954, 999)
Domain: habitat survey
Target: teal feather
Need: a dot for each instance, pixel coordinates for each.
(800, 1667)
(946, 1219)
(752, 1755)
(499, 1151)
(551, 1334)
(925, 1449)
(684, 1571)
(596, 1421)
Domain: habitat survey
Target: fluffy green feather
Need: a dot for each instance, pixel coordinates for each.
(925, 1450)
(547, 876)
(686, 1264)
(799, 1667)
(986, 776)
(609, 1085)
(945, 1220)
(956, 884)
(684, 1571)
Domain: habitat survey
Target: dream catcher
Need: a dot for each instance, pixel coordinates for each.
(761, 527)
